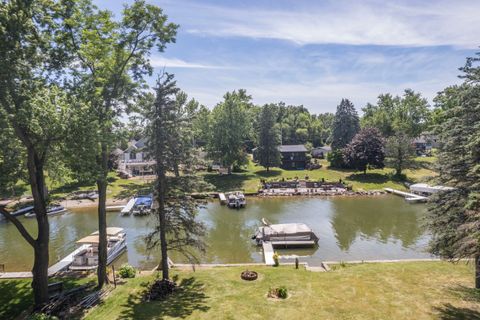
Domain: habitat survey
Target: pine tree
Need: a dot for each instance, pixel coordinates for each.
(268, 133)
(170, 142)
(454, 216)
(346, 125)
(366, 150)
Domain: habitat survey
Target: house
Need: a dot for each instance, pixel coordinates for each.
(293, 156)
(321, 152)
(135, 160)
(425, 143)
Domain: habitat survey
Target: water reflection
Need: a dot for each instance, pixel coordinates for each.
(381, 219)
(348, 228)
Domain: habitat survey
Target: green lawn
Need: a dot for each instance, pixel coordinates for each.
(249, 178)
(410, 290)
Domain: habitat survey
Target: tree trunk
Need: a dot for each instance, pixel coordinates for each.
(268, 169)
(477, 272)
(41, 254)
(102, 221)
(162, 220)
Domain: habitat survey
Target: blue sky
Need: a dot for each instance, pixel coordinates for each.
(316, 52)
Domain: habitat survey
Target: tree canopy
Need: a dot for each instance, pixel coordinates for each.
(268, 134)
(454, 216)
(366, 150)
(345, 126)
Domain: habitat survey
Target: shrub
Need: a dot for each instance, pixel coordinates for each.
(336, 159)
(276, 258)
(282, 292)
(127, 271)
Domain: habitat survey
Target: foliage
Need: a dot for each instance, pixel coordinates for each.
(335, 157)
(41, 316)
(276, 259)
(268, 134)
(127, 271)
(454, 216)
(345, 126)
(399, 152)
(408, 114)
(229, 129)
(366, 150)
(280, 292)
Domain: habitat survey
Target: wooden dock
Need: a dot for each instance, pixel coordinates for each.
(57, 267)
(129, 206)
(223, 198)
(409, 197)
(268, 253)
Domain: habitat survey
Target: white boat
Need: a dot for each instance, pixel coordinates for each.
(236, 200)
(87, 259)
(51, 211)
(285, 235)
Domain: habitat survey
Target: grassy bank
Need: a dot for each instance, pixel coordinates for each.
(249, 178)
(251, 175)
(413, 290)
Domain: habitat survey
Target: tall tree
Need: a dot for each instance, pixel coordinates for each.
(382, 115)
(268, 137)
(346, 125)
(229, 129)
(454, 216)
(170, 141)
(366, 150)
(111, 60)
(412, 114)
(33, 108)
(399, 151)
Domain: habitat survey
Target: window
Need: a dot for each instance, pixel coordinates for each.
(133, 155)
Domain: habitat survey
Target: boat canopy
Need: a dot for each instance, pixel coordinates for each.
(111, 231)
(91, 239)
(286, 228)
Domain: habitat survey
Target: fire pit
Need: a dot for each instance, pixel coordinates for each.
(249, 275)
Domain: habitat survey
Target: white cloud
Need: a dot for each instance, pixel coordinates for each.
(425, 23)
(160, 62)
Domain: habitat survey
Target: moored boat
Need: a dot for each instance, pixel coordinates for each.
(236, 200)
(87, 259)
(285, 235)
(52, 210)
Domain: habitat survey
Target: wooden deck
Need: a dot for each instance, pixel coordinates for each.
(268, 253)
(57, 267)
(409, 197)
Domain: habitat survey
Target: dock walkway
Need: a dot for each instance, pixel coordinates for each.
(129, 206)
(57, 267)
(268, 253)
(409, 197)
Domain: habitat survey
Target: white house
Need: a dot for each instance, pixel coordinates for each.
(135, 160)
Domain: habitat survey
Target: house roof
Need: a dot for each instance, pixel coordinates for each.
(324, 148)
(292, 148)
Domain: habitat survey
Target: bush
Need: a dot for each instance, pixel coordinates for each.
(336, 159)
(127, 271)
(280, 292)
(276, 258)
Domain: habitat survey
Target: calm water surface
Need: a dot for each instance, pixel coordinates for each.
(357, 228)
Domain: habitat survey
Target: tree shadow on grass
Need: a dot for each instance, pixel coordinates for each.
(130, 190)
(268, 174)
(15, 297)
(466, 294)
(376, 178)
(231, 182)
(189, 297)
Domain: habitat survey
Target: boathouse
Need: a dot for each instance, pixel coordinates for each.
(293, 156)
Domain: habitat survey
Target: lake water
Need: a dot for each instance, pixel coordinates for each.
(349, 228)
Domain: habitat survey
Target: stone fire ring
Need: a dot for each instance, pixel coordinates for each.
(249, 275)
